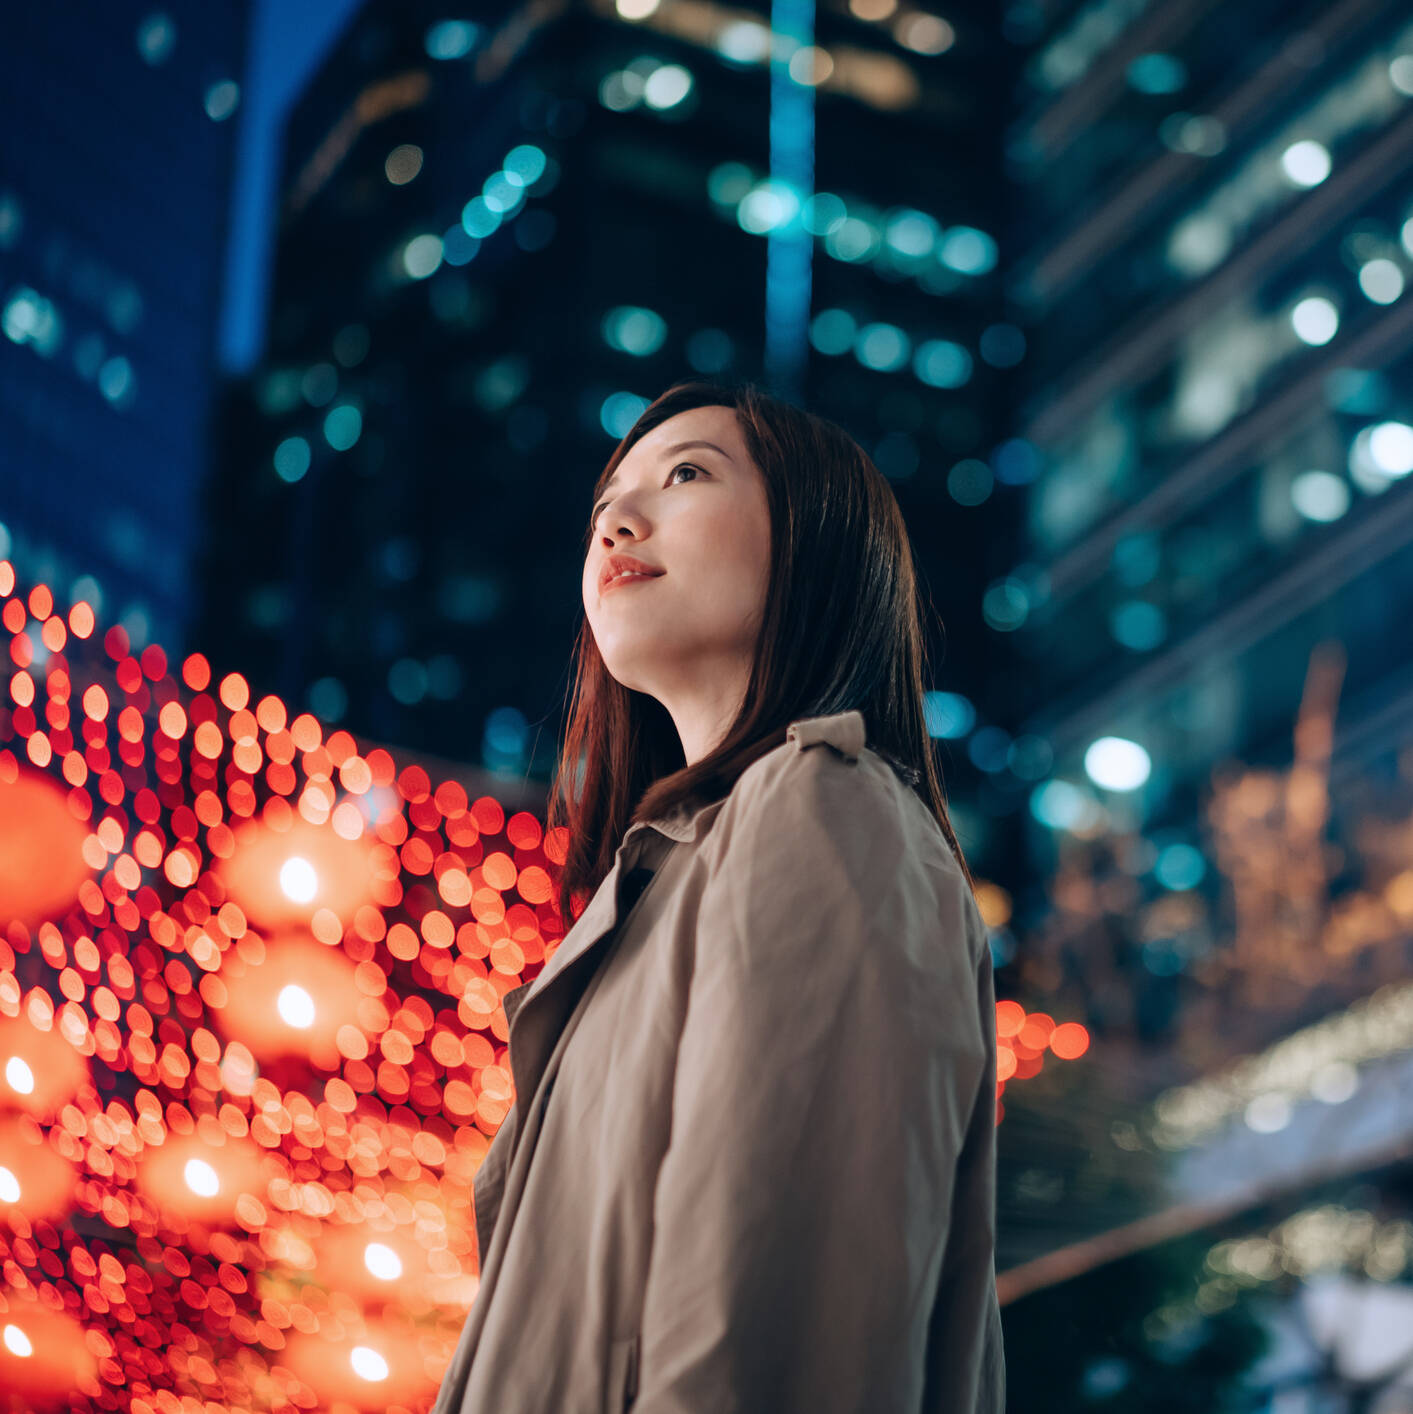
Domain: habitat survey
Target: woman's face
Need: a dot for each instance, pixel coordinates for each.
(698, 514)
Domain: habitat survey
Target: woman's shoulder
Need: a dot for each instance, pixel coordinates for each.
(825, 780)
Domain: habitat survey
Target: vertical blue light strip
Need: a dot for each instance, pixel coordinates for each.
(789, 246)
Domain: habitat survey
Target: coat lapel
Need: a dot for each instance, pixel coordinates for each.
(536, 1013)
(535, 1028)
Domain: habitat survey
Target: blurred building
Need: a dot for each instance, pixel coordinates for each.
(115, 184)
(1214, 232)
(502, 237)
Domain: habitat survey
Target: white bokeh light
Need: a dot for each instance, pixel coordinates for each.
(1307, 163)
(667, 86)
(382, 1261)
(17, 1342)
(1268, 1113)
(1315, 320)
(9, 1186)
(298, 880)
(18, 1076)
(1381, 280)
(367, 1363)
(1115, 763)
(295, 1006)
(1334, 1082)
(1320, 495)
(201, 1178)
(1391, 448)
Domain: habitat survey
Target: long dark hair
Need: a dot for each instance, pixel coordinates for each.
(842, 628)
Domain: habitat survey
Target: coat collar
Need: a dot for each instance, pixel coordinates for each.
(845, 731)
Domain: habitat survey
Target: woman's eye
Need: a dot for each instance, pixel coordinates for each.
(681, 466)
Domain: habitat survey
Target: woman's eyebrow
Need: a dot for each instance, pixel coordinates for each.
(682, 447)
(672, 452)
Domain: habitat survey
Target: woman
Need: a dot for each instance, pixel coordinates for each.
(765, 1180)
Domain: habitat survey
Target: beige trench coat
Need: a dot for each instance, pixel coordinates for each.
(753, 1169)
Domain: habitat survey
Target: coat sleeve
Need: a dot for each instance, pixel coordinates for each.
(832, 1062)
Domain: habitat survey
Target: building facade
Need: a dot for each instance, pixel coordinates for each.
(502, 236)
(1213, 241)
(114, 203)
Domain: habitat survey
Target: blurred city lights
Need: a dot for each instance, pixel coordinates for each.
(1306, 163)
(292, 459)
(222, 99)
(967, 250)
(833, 331)
(298, 879)
(949, 715)
(201, 1178)
(881, 346)
(1315, 320)
(296, 1006)
(382, 1261)
(634, 330)
(403, 163)
(1138, 625)
(450, 39)
(619, 411)
(924, 33)
(970, 481)
(1061, 805)
(1381, 280)
(18, 1076)
(667, 86)
(1320, 495)
(1391, 447)
(368, 1363)
(342, 426)
(1005, 604)
(744, 42)
(1323, 1057)
(940, 363)
(422, 256)
(1157, 73)
(1115, 763)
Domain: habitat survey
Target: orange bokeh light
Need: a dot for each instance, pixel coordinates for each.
(41, 849)
(283, 877)
(1010, 1017)
(1035, 1031)
(35, 1179)
(39, 1070)
(294, 1001)
(372, 1265)
(44, 1355)
(382, 1366)
(1069, 1040)
(198, 1178)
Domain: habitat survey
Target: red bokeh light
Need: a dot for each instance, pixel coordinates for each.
(44, 1353)
(41, 842)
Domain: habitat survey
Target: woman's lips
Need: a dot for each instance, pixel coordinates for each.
(628, 579)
